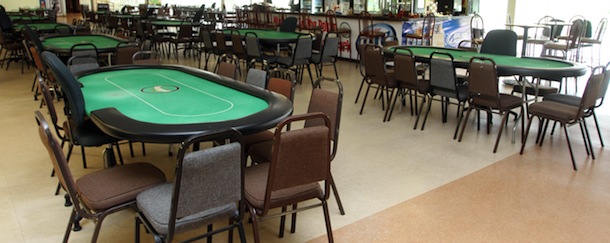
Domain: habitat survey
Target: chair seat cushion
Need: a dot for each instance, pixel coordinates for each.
(554, 111)
(155, 204)
(564, 99)
(117, 185)
(506, 102)
(256, 183)
(261, 152)
(315, 58)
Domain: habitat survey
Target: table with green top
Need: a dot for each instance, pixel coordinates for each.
(61, 45)
(268, 36)
(170, 23)
(544, 68)
(168, 103)
(28, 18)
(40, 27)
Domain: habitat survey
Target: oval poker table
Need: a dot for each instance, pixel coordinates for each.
(61, 45)
(544, 68)
(44, 28)
(168, 103)
(268, 36)
(170, 23)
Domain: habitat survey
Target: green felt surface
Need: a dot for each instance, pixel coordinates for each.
(38, 26)
(66, 42)
(267, 34)
(20, 17)
(196, 100)
(464, 56)
(170, 22)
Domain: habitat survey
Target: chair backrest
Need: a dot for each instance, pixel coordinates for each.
(257, 78)
(82, 63)
(303, 48)
(500, 42)
(374, 64)
(329, 103)
(604, 86)
(48, 100)
(221, 44)
(73, 96)
(592, 90)
(124, 52)
(146, 58)
(33, 38)
(477, 28)
(58, 159)
(404, 66)
(289, 25)
(365, 22)
(576, 33)
(62, 29)
(483, 79)
(208, 44)
(442, 74)
(299, 156)
(281, 86)
(227, 69)
(253, 47)
(238, 45)
(331, 46)
(207, 179)
(185, 31)
(600, 30)
(428, 28)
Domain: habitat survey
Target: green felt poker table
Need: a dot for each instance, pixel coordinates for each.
(28, 18)
(40, 27)
(268, 36)
(170, 23)
(168, 103)
(507, 65)
(61, 45)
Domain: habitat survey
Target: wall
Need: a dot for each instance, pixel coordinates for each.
(15, 5)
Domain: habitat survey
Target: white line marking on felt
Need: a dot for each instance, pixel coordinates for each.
(231, 105)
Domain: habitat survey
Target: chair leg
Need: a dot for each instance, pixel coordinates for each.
(427, 112)
(421, 107)
(527, 131)
(391, 109)
(82, 150)
(282, 223)
(293, 223)
(366, 94)
(599, 132)
(460, 118)
(336, 194)
(137, 230)
(329, 230)
(70, 223)
(464, 123)
(565, 129)
(360, 89)
(504, 119)
(255, 232)
(584, 124)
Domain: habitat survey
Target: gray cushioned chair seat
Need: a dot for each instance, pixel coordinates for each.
(553, 110)
(155, 204)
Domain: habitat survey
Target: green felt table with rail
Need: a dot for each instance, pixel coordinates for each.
(507, 65)
(170, 23)
(63, 44)
(40, 27)
(269, 36)
(27, 18)
(167, 103)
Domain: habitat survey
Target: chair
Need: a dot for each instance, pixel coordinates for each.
(568, 49)
(500, 42)
(444, 83)
(255, 53)
(300, 57)
(300, 161)
(289, 25)
(257, 78)
(477, 30)
(208, 186)
(425, 36)
(342, 30)
(146, 58)
(239, 50)
(407, 79)
(208, 47)
(366, 28)
(485, 95)
(83, 57)
(575, 100)
(566, 115)
(81, 131)
(329, 53)
(227, 68)
(13, 49)
(184, 37)
(62, 29)
(543, 35)
(124, 52)
(378, 76)
(92, 199)
(596, 40)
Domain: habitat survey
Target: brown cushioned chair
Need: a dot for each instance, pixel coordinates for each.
(300, 161)
(566, 115)
(100, 193)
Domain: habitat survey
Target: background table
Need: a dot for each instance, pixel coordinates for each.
(166, 104)
(268, 36)
(507, 65)
(61, 45)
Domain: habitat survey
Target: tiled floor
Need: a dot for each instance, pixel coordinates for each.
(397, 184)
